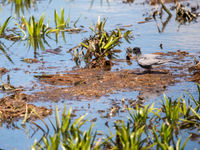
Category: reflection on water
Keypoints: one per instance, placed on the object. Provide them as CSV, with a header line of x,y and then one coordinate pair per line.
x,y
4,49
20,7
37,43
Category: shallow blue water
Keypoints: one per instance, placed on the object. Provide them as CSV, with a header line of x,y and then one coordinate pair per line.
x,y
187,38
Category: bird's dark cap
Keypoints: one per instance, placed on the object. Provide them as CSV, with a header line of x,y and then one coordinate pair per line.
x,y
136,50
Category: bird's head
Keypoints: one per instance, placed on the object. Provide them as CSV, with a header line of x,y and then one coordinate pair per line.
x,y
136,50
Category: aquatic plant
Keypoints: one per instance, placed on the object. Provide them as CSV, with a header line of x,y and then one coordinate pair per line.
x,y
145,129
139,116
36,29
3,48
164,138
127,138
101,45
68,134
37,32
60,21
192,112
63,25
172,110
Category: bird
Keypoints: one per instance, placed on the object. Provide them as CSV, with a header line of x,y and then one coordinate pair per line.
x,y
146,61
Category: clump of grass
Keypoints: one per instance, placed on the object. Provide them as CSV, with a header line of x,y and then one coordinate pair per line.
x,y
60,21
145,129
139,116
63,25
164,138
172,110
127,138
100,46
68,135
35,29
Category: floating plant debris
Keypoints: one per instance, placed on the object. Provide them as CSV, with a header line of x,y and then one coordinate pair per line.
x,y
15,106
30,60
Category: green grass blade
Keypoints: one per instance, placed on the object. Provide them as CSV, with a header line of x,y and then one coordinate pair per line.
x,y
184,144
84,45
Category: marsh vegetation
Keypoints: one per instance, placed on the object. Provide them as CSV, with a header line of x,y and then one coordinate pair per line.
x,y
63,59
147,127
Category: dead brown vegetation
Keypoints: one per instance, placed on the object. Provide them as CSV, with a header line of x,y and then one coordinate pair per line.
x,y
15,106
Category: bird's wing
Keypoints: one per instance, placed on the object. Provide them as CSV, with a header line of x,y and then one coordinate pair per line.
x,y
145,61
151,56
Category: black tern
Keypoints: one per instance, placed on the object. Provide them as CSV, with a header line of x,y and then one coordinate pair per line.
x,y
148,60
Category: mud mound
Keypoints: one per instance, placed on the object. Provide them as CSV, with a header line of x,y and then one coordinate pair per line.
x,y
94,83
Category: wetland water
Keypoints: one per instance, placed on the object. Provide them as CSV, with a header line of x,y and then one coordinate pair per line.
x,y
55,59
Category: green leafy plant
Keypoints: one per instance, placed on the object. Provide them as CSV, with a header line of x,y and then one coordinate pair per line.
x,y
102,43
60,21
191,112
68,134
196,102
100,46
36,29
144,129
166,135
126,138
139,116
172,110
62,24
164,139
